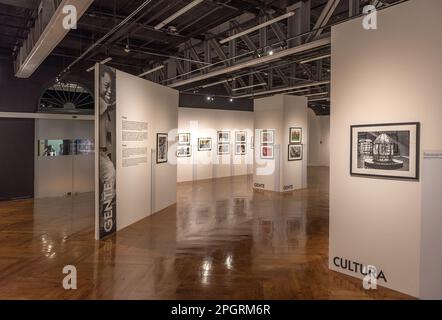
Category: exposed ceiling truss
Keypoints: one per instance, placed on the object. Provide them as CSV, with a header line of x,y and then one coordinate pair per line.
x,y
271,47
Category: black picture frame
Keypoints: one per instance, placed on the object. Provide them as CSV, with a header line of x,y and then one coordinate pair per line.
x,y
222,133
187,154
267,157
243,146
166,136
295,159
204,149
184,135
221,145
290,135
416,159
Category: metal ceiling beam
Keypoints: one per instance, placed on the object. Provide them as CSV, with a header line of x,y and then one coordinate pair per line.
x,y
265,59
300,86
323,19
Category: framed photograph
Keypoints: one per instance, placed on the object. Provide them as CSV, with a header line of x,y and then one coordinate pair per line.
x,y
240,149
385,150
204,144
252,142
224,149
240,137
267,136
184,139
295,135
183,151
295,152
223,137
162,147
267,152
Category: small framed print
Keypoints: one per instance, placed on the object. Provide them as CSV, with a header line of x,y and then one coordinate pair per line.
x,y
295,152
205,144
295,135
223,137
252,142
184,151
240,149
223,149
240,137
267,152
162,147
385,150
184,139
267,136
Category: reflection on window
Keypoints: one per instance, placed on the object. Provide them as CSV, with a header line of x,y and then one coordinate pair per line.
x,y
59,147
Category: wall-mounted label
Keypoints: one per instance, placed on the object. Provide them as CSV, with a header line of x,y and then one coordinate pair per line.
x,y
287,188
356,267
433,155
259,185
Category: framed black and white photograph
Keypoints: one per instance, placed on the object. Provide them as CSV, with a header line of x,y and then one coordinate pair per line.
x,y
240,137
183,151
240,149
295,135
205,144
267,136
183,139
223,137
223,149
267,152
385,150
295,152
162,147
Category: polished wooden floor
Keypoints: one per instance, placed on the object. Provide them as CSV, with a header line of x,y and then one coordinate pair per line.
x,y
221,241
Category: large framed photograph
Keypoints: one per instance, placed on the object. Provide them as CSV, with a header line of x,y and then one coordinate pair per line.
x,y
295,135
183,151
267,152
224,149
240,149
267,136
223,137
162,147
240,137
295,152
204,144
183,139
385,150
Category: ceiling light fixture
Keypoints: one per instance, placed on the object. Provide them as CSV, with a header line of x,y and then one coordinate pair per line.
x,y
177,14
260,26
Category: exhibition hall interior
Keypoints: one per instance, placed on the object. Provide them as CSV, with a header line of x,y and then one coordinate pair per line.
x,y
220,150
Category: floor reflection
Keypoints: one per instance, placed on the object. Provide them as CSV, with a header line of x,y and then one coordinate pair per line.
x,y
221,240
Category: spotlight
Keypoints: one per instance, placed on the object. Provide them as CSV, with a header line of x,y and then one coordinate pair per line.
x,y
127,49
231,99
271,52
208,98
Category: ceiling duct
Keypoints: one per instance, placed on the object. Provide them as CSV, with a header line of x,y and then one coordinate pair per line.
x,y
46,34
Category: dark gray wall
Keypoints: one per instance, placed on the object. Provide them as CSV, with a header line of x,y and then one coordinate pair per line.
x,y
17,158
17,135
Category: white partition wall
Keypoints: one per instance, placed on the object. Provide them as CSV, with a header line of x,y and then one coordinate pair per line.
x,y
142,109
278,114
205,123
319,140
388,75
